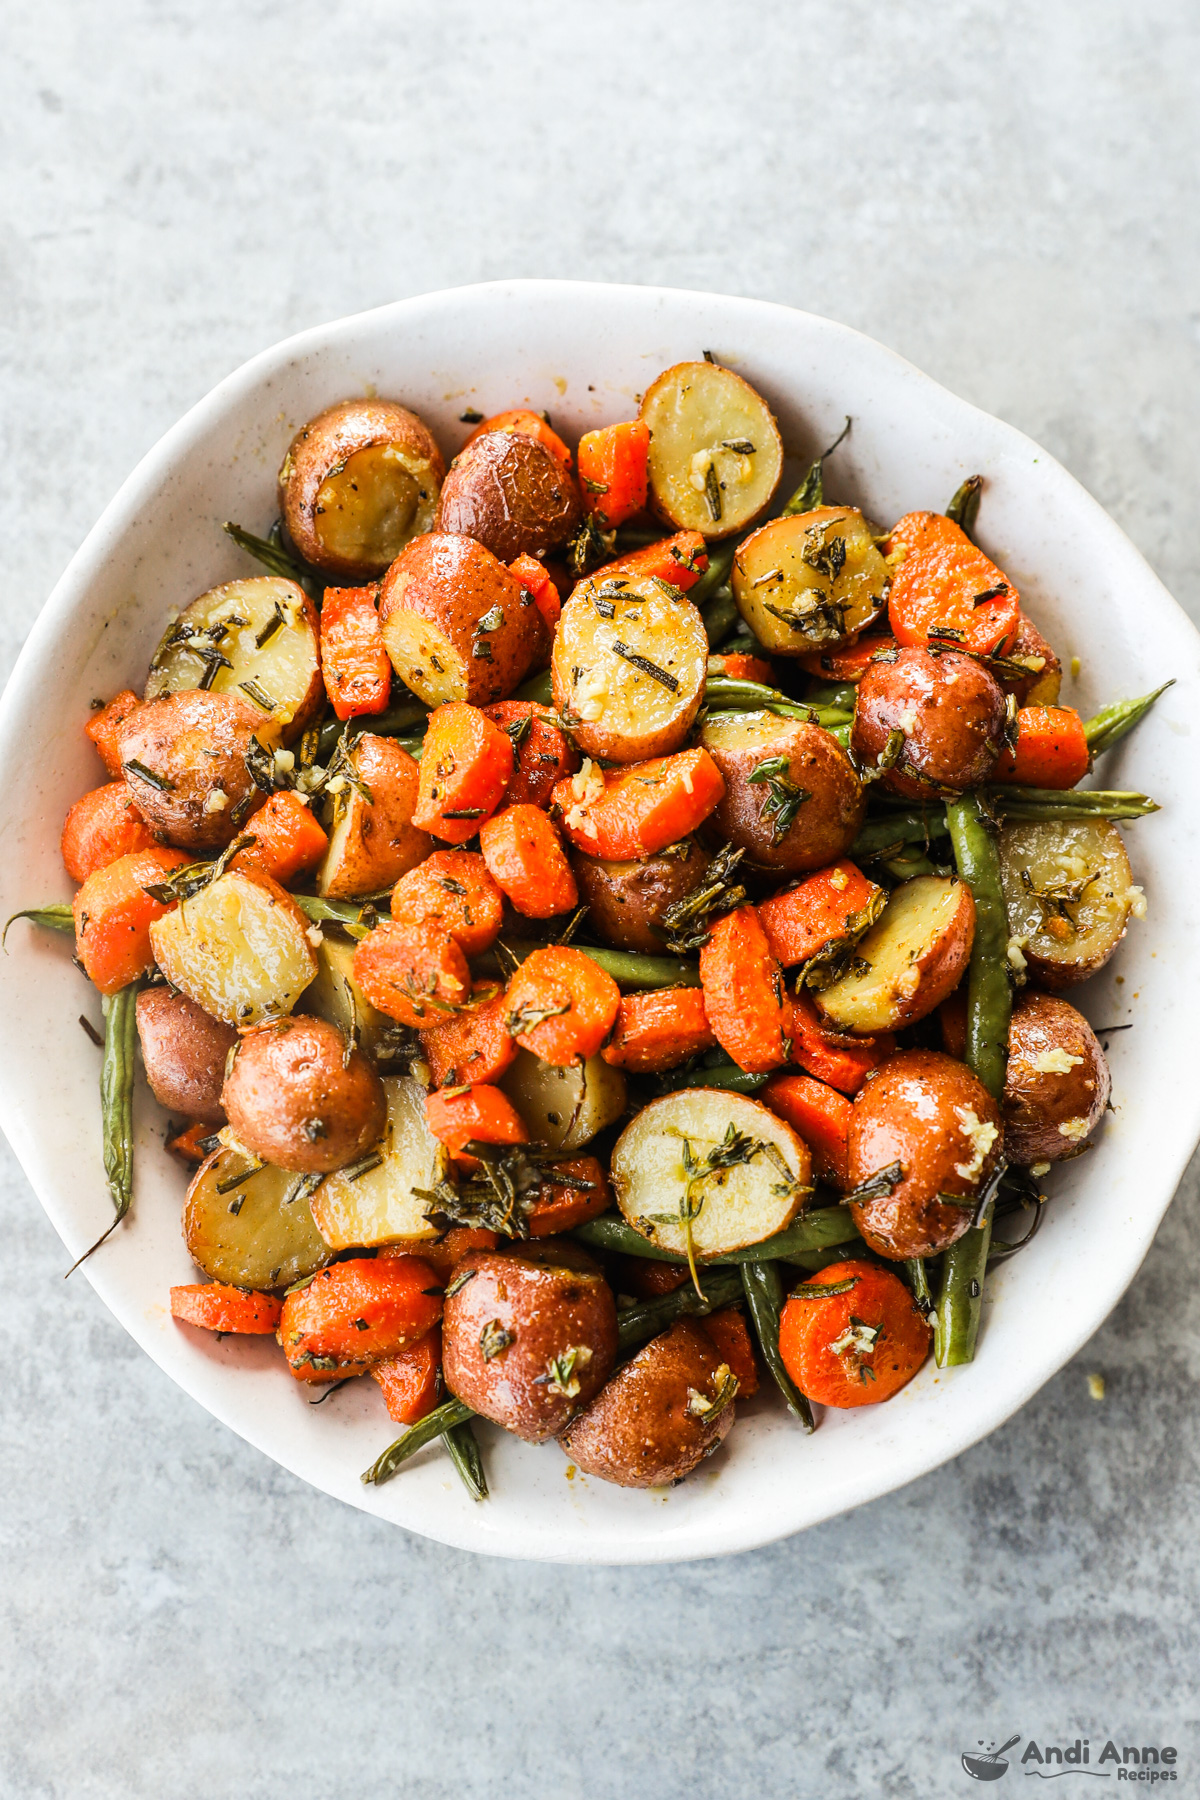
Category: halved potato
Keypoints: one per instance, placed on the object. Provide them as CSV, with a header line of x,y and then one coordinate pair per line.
x,y
742,1171
1069,893
565,1108
715,451
792,799
810,582
379,1205
246,1231
912,957
456,624
257,640
629,668
336,996
239,948
626,899
373,842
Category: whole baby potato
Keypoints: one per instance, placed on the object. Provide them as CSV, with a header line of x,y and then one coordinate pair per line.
x,y
183,757
184,1051
294,1097
626,899
949,711
1057,1085
511,493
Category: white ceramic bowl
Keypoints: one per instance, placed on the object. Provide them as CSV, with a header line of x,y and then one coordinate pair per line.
x,y
585,351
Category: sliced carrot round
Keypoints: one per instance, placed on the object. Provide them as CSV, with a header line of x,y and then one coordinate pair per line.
x,y
454,891
216,1307
562,1005
412,1381
659,1030
857,1347
355,1313
946,584
476,1044
744,996
1051,751
480,1114
525,857
415,974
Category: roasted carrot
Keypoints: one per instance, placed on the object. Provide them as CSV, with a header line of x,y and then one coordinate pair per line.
x,y
822,909
612,470
944,583
473,1046
215,1307
843,1062
820,1114
857,1347
952,1017
356,1313
659,1030
287,839
412,1381
466,764
526,424
104,726
190,1143
114,913
536,579
561,1005
443,1254
681,560
354,663
626,814
415,974
744,995
103,825
543,754
646,1280
845,664
453,890
561,1208
480,1114
1052,749
730,1333
525,857
742,668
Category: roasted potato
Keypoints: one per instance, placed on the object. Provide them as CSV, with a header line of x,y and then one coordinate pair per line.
x,y
629,667
183,1051
813,581
455,623
528,1338
565,1108
245,1224
914,955
715,451
372,842
1057,1085
949,711
256,640
381,1205
511,493
183,757
239,948
743,1173
1069,893
792,799
660,1415
626,899
928,1134
1041,686
336,996
358,483
299,1096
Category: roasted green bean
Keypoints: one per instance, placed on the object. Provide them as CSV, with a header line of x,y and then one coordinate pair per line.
x,y
442,1419
1112,723
54,917
464,1454
638,1324
762,1285
816,1229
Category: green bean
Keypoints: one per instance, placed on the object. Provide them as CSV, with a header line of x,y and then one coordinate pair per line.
x,y
1112,723
763,1288
720,1075
272,556
392,723
537,688
815,1229
905,867
638,1324
719,615
55,917
628,968
720,563
442,1419
735,695
813,1260
464,1454
1025,803
964,507
811,492
918,1281
837,696
116,1093
894,830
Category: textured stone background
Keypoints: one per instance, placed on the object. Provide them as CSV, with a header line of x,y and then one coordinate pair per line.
x,y
1006,194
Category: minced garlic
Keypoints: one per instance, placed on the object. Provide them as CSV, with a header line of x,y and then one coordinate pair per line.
x,y
981,1135
1054,1062
1137,903
217,801
1075,1129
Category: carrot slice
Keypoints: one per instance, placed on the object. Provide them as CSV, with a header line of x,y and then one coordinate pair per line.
x,y
858,1347
744,995
525,423
356,1313
466,764
415,974
952,1017
412,1381
524,855
100,827
559,1209
215,1307
288,841
445,1253
613,470
1052,749
561,1005
104,727
481,1114
623,815
453,890
475,1045
659,1030
820,1114
730,1333
190,1144
114,913
845,664
823,908
535,578
681,560
946,583
742,668
646,1280
354,663
843,1062
543,754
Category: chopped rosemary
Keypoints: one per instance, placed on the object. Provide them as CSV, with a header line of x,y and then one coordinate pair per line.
x,y
783,798
646,666
494,1339
271,627
684,924
133,767
877,1186
712,493
193,878
704,1410
258,694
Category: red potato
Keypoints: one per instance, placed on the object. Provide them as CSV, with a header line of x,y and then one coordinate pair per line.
x,y
792,799
375,837
466,764
660,1415
731,1335
113,915
184,1051
453,890
858,1347
525,857
415,974
626,900
100,827
183,757
240,948
949,712
525,424
624,815
1040,687
810,581
457,625
1057,1084
356,1314
299,1097
510,493
715,451
913,957
744,997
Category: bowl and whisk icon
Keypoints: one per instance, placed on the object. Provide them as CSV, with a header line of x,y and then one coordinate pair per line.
x,y
989,1765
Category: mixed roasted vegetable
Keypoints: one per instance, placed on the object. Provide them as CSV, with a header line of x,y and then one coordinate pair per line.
x,y
600,934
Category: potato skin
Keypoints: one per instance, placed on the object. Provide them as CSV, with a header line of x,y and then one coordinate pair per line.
x,y
183,1051
296,1099
324,445
375,842
1041,855
448,584
196,742
552,1300
1050,1113
1041,686
624,899
952,714
511,493
914,1112
825,825
638,1431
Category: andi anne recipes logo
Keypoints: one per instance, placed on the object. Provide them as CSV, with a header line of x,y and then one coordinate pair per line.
x,y
1145,1763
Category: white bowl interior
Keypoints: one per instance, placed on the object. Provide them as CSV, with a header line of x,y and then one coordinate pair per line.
x,y
586,351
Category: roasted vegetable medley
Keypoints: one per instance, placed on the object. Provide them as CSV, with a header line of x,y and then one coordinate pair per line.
x,y
599,932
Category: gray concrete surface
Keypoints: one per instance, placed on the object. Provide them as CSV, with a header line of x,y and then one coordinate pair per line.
x,y
1005,193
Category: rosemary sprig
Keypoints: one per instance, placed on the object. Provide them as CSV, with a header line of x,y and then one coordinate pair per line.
x,y
684,924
